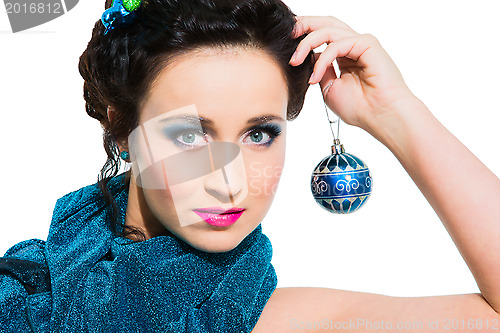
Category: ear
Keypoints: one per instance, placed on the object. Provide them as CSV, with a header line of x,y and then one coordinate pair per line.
x,y
111,114
111,117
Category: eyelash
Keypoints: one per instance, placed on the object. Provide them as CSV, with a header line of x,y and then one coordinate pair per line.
x,y
174,134
272,130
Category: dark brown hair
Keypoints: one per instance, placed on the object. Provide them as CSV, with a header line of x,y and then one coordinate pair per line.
x,y
119,67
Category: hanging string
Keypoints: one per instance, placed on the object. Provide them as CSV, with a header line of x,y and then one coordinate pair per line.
x,y
332,121
331,124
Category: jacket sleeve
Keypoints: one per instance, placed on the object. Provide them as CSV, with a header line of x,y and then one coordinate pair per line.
x,y
25,300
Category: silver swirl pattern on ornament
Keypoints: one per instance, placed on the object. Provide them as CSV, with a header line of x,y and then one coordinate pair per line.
x,y
320,187
340,184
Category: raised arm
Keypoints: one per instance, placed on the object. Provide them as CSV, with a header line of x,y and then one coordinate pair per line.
x,y
371,94
463,192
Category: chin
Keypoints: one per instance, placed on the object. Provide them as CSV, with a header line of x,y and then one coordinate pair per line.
x,y
217,241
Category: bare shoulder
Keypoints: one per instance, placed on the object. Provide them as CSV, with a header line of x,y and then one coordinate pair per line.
x,y
322,309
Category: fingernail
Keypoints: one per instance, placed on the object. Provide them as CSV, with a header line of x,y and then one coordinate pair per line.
x,y
293,57
311,79
327,88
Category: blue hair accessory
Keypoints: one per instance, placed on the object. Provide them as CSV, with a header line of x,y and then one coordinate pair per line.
x,y
122,12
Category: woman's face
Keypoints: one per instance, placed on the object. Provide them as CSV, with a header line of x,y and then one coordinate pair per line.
x,y
210,147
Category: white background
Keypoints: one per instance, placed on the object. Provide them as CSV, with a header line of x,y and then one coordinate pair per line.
x,y
448,52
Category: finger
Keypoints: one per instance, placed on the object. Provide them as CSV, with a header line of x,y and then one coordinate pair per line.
x,y
297,28
307,24
316,39
351,47
328,78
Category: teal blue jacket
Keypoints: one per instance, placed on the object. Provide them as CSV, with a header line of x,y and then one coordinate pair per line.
x,y
85,279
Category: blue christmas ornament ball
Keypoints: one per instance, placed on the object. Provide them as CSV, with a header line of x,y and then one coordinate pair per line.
x,y
341,183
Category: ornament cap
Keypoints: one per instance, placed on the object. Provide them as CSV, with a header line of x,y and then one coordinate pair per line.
x,y
337,147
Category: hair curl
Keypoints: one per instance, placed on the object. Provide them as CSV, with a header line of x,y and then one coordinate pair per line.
x,y
119,67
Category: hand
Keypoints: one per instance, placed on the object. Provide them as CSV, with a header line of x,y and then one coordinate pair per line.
x,y
370,84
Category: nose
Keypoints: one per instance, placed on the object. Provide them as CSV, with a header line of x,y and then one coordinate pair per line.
x,y
227,181
218,185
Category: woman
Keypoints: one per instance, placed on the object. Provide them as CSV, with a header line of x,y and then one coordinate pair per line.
x,y
370,94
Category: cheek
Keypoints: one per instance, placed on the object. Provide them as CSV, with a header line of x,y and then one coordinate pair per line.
x,y
160,192
264,175
155,185
173,206
161,197
161,206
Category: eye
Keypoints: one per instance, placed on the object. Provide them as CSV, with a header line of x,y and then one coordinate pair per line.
x,y
186,136
191,138
262,135
259,137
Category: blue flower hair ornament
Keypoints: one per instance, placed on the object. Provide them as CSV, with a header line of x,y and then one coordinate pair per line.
x,y
122,12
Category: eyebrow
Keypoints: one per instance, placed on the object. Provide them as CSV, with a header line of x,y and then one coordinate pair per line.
x,y
204,121
264,119
188,118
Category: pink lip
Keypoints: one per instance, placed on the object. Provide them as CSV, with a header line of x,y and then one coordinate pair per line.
x,y
219,217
